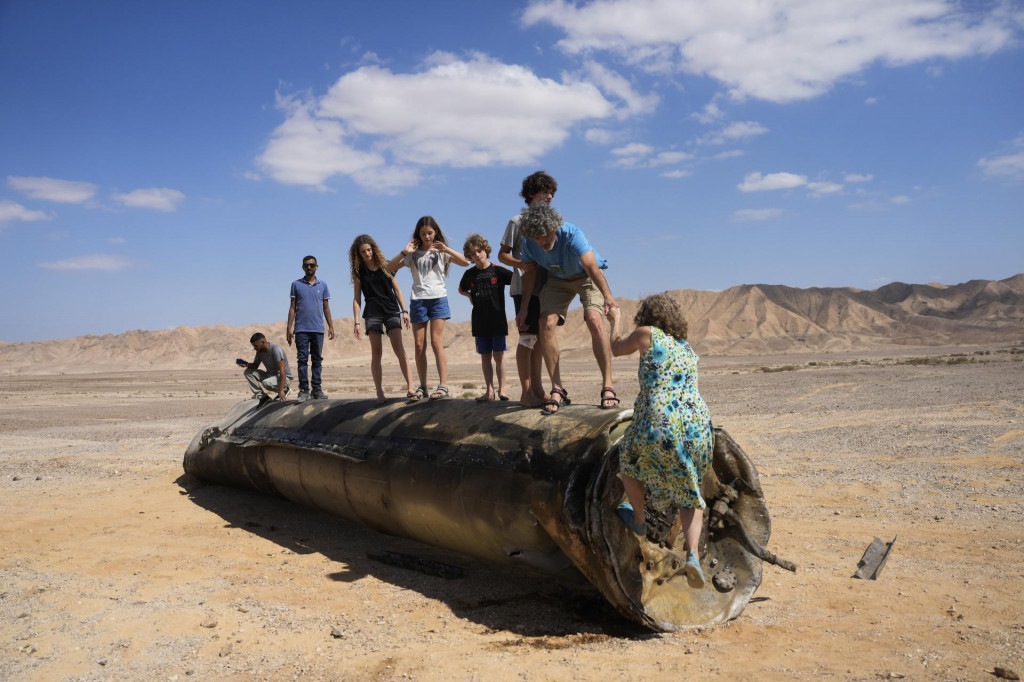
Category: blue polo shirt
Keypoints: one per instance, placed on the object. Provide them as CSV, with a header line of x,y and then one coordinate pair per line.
x,y
309,305
562,261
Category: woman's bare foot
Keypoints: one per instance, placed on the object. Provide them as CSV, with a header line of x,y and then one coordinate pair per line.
x,y
381,398
489,395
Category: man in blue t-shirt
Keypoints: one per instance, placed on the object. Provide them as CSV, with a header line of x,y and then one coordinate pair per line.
x,y
306,313
574,269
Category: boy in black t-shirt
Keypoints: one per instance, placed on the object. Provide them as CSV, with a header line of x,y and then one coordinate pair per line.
x,y
484,284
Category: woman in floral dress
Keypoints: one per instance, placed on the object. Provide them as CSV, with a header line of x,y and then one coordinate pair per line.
x,y
668,445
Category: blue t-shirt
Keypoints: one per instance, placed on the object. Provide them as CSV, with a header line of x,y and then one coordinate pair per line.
x,y
309,305
563,260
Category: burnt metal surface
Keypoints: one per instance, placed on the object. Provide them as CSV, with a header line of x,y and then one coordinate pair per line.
x,y
500,483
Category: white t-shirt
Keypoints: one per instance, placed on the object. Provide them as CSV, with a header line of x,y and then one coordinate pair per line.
x,y
427,273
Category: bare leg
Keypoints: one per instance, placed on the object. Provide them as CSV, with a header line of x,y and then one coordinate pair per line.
x,y
499,369
419,335
547,344
523,357
436,334
536,374
692,521
403,362
635,493
376,345
485,364
601,345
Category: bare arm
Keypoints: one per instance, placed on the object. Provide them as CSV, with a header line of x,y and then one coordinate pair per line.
x,y
456,257
330,322
290,333
638,340
401,302
396,263
356,307
589,263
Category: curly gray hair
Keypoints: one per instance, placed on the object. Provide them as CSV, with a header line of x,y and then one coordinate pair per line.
x,y
539,220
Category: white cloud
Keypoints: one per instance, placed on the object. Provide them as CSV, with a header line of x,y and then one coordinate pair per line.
x,y
709,114
159,198
731,154
602,136
97,261
747,215
616,85
1008,163
870,101
11,211
900,199
633,149
678,173
756,182
739,130
379,127
859,177
116,240
48,189
777,50
639,155
822,188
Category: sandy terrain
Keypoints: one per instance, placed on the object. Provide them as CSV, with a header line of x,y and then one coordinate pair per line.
x,y
115,566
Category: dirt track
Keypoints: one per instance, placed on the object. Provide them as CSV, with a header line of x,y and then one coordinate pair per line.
x,y
114,567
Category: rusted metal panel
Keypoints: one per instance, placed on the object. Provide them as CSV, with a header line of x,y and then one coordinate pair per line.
x,y
501,483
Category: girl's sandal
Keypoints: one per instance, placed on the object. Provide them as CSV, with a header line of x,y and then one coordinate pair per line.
x,y
553,404
605,399
420,394
440,392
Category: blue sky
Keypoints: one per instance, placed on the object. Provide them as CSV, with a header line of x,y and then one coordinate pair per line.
x,y
166,164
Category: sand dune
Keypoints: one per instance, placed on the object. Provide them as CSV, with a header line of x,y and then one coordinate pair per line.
x,y
746,319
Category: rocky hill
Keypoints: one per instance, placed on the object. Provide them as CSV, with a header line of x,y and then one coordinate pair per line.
x,y
746,319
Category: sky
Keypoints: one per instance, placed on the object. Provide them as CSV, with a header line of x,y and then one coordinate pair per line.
x,y
169,164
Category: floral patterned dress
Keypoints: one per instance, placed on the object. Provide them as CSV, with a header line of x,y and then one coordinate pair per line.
x,y
669,443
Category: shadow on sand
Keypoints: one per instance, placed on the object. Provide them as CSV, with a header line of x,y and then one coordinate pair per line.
x,y
498,597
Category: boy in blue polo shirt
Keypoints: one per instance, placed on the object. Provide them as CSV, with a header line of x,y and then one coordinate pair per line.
x,y
306,313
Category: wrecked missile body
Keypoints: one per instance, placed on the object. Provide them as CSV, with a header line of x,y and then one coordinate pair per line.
x,y
500,483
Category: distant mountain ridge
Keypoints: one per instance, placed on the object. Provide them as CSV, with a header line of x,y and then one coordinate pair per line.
x,y
741,320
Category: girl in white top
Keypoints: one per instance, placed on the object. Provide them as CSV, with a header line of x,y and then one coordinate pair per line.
x,y
428,255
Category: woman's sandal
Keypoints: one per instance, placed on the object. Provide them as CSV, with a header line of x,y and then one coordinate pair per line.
x,y
625,512
419,394
440,392
609,398
555,404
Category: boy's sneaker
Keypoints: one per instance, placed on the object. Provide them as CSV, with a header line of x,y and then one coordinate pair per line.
x,y
303,396
318,395
264,399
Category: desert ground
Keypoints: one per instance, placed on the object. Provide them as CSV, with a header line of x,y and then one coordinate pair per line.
x,y
117,566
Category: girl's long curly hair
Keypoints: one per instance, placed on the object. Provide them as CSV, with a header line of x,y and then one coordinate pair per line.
x,y
428,221
355,261
662,311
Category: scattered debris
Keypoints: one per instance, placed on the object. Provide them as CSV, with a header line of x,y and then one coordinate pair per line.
x,y
225,650
209,623
336,633
417,564
1005,673
875,556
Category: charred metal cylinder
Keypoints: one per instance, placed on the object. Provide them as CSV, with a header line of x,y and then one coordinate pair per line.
x,y
501,483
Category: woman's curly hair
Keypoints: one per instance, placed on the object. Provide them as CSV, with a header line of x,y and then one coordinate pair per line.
x,y
473,242
662,311
355,261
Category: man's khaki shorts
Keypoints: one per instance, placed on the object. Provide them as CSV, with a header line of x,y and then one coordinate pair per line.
x,y
557,295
